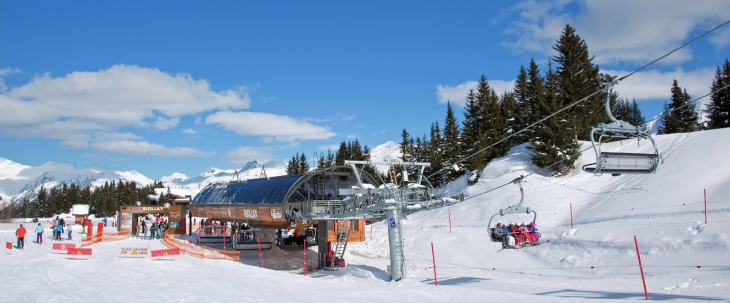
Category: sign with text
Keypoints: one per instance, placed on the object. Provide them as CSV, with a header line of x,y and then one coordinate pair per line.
x,y
134,251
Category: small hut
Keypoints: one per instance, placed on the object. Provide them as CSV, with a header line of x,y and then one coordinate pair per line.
x,y
79,211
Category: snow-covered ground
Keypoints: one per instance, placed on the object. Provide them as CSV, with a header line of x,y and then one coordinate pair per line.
x,y
684,258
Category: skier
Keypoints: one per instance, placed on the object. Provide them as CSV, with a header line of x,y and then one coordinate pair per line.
x,y
69,231
20,232
59,229
39,232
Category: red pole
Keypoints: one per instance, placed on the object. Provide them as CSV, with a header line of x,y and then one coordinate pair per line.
x,y
305,258
705,190
433,255
449,220
571,215
641,268
260,255
224,238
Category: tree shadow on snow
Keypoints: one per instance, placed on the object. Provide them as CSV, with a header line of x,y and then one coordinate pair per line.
x,y
455,281
572,293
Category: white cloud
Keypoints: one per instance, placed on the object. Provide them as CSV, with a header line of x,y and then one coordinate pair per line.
x,y
163,123
653,84
282,128
332,147
351,136
457,94
72,106
74,144
147,149
338,117
243,155
189,131
8,71
620,30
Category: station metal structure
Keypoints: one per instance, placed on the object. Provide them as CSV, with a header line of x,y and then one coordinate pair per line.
x,y
389,201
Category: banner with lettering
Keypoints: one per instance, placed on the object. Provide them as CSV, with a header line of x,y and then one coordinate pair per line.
x,y
134,251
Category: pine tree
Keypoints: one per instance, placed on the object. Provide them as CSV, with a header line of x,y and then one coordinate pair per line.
x,y
450,144
718,109
577,79
483,126
470,130
341,154
508,108
405,145
523,110
303,165
435,155
552,141
679,116
292,168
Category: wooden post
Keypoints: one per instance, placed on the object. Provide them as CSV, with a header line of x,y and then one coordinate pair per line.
x,y
705,190
646,294
571,215
433,255
260,255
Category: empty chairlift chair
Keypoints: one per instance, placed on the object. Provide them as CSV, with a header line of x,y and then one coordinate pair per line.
x,y
620,163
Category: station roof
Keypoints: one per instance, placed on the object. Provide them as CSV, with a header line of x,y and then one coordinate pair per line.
x,y
256,191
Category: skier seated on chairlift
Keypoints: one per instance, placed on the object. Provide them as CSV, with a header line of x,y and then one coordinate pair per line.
x,y
515,235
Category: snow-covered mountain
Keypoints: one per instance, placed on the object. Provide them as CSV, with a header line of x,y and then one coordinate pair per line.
x,y
18,181
386,152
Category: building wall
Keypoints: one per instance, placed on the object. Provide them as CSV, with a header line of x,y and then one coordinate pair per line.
x,y
356,235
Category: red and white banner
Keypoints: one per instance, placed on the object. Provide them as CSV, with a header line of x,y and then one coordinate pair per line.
x,y
63,246
134,251
165,252
79,251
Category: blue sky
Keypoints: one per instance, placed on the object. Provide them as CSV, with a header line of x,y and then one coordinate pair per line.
x,y
162,87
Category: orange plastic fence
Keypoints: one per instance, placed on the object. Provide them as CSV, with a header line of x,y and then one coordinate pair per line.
x,y
203,252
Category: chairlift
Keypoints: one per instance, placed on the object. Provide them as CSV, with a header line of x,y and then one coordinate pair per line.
x,y
514,209
620,163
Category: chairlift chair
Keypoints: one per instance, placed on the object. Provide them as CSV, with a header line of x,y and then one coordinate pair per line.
x,y
514,209
620,163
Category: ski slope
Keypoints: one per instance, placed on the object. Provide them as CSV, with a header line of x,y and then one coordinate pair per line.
x,y
596,259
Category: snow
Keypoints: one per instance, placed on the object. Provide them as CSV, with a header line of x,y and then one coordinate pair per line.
x,y
683,258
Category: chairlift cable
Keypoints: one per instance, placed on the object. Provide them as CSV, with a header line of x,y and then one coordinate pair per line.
x,y
688,103
674,50
581,100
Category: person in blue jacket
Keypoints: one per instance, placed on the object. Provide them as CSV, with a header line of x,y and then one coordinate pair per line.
x,y
59,229
39,232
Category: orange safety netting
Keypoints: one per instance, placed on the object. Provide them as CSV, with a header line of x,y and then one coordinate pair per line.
x,y
104,236
203,252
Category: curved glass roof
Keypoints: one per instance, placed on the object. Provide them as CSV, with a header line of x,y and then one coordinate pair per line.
x,y
256,191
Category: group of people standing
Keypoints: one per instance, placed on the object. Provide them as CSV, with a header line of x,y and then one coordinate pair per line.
x,y
515,235
156,225
58,227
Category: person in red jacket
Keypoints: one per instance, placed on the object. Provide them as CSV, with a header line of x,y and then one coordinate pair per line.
x,y
20,232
